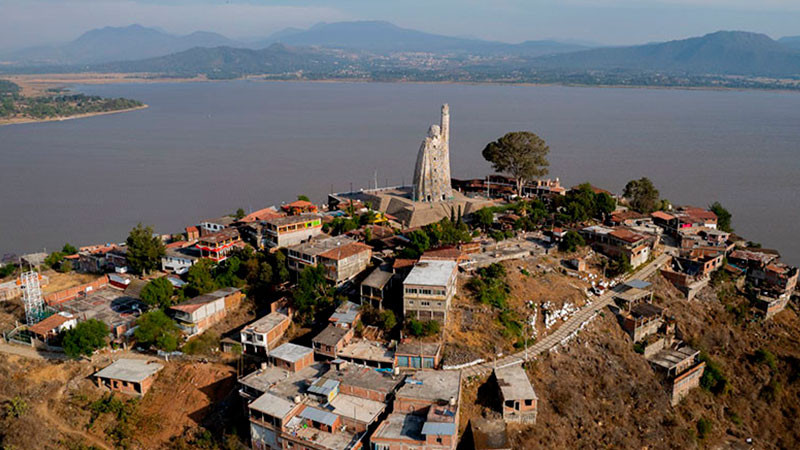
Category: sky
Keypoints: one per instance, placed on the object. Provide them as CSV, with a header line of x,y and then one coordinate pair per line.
x,y
26,23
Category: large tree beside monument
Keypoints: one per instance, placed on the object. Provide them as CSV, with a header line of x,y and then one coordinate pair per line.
x,y
520,154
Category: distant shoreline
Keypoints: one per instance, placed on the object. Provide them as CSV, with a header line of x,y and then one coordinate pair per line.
x,y
24,120
37,84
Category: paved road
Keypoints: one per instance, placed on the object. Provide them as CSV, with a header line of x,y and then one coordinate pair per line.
x,y
570,326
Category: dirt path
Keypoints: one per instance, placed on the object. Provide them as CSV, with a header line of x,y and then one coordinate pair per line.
x,y
43,409
30,352
564,331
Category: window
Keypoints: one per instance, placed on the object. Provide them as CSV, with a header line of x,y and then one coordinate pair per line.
x,y
528,402
427,291
426,303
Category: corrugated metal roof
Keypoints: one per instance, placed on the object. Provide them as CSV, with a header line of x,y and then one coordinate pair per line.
x,y
323,387
318,415
439,428
638,284
272,405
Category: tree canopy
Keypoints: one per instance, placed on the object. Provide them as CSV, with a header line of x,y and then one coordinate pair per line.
x,y
642,195
723,217
158,293
571,241
313,293
85,338
520,154
156,329
144,250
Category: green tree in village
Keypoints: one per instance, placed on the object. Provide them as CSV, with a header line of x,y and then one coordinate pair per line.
x,y
619,265
145,250
85,338
303,198
65,266
54,259
642,195
723,217
483,218
158,293
313,293
571,242
200,278
156,329
69,249
520,154
239,213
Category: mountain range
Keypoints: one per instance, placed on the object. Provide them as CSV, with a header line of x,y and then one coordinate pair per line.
x,y
369,50
118,43
722,53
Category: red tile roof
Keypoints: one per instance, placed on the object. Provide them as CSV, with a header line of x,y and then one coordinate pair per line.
x,y
626,235
662,215
49,324
346,251
261,214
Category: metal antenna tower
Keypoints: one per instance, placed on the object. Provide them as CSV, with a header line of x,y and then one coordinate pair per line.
x,y
32,297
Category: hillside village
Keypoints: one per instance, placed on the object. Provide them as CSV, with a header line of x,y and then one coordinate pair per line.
x,y
486,313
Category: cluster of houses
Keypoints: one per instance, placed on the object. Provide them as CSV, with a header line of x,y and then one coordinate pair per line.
x,y
351,389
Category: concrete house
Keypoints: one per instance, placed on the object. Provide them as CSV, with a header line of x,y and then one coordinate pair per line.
x,y
680,370
216,246
613,242
341,257
128,376
260,336
211,226
418,355
425,414
53,325
287,231
428,290
519,400
375,289
179,260
196,315
291,357
330,341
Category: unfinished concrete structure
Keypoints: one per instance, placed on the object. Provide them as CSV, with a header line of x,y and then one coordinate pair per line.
x,y
432,170
341,257
196,315
680,370
519,401
128,376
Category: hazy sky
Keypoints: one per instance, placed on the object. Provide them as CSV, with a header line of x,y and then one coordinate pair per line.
x,y
32,22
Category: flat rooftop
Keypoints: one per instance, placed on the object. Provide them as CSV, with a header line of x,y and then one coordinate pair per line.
x,y
514,383
290,352
432,385
109,305
670,358
431,273
266,323
289,220
418,348
272,405
131,370
281,382
367,350
360,409
340,440
378,278
397,426
364,377
331,335
321,244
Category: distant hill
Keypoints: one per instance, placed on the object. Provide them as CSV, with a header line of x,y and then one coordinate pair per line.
x,y
723,52
790,41
385,37
118,43
229,62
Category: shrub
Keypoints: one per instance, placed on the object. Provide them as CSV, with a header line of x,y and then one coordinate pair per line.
x,y
16,407
704,427
764,356
714,380
420,329
158,293
205,344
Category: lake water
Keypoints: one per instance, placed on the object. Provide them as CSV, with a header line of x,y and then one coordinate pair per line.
x,y
205,149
